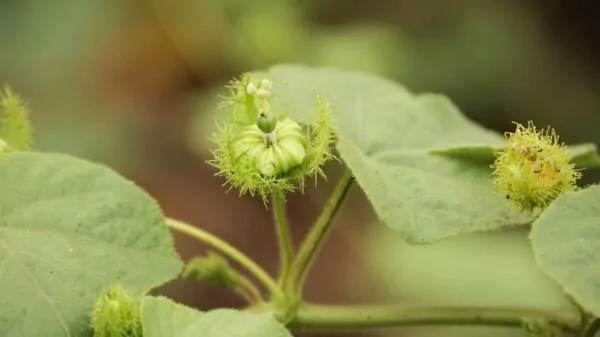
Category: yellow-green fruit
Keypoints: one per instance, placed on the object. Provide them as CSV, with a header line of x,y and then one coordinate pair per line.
x,y
272,153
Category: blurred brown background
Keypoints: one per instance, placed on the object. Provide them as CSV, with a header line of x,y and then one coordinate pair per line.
x,y
132,83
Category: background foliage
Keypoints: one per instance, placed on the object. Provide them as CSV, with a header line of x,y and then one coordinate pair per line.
x,y
131,84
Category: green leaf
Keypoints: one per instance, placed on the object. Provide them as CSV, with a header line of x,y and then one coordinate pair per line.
x,y
388,138
227,322
566,242
68,230
163,317
582,155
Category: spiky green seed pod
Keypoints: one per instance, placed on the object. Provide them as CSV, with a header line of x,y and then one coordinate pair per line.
x,y
264,152
115,314
533,169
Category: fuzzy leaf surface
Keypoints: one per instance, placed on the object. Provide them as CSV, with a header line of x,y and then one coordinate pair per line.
x,y
163,317
566,242
68,230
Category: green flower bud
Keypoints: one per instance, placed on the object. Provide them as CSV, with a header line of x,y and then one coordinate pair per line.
x,y
115,314
212,268
266,123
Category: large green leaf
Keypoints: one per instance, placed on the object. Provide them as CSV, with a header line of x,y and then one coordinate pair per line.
x,y
227,322
388,138
68,229
582,155
566,242
162,317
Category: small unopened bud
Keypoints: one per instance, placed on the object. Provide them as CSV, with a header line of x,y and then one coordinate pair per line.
x,y
263,93
212,268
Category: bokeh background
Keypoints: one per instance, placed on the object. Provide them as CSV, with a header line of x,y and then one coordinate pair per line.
x,y
132,84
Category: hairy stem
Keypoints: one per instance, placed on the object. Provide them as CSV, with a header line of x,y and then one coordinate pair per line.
x,y
312,243
355,317
225,248
286,249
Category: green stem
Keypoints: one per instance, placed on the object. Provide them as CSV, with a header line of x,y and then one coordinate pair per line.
x,y
352,317
592,329
247,290
286,250
314,239
228,250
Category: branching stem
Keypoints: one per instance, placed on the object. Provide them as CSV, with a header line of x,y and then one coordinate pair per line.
x,y
286,249
230,251
314,239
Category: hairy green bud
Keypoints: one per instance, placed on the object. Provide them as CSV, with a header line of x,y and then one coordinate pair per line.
x,y
533,169
264,152
212,268
215,269
115,314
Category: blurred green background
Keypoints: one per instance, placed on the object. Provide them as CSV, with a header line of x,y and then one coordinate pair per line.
x,y
132,84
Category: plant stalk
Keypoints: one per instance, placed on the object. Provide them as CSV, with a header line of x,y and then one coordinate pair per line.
x,y
248,291
355,317
230,251
286,249
309,248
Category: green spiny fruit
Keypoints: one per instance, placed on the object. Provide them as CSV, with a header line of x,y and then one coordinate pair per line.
x,y
533,169
260,151
115,314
